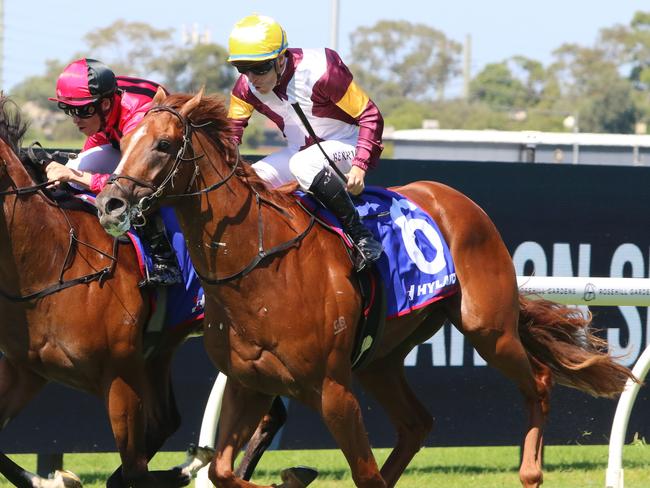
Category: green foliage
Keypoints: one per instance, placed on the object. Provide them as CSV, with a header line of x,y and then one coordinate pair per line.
x,y
37,89
593,87
629,47
409,114
611,110
400,58
187,69
498,88
129,48
407,69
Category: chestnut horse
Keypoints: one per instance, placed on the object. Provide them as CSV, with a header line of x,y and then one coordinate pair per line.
x,y
282,299
73,314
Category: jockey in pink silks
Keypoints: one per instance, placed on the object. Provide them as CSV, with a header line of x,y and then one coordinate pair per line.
x,y
105,107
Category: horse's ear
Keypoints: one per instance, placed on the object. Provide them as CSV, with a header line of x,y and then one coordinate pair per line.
x,y
191,104
159,96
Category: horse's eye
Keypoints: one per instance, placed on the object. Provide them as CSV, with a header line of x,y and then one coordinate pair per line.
x,y
163,145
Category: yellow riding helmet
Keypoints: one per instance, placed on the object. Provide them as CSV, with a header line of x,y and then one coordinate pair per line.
x,y
256,38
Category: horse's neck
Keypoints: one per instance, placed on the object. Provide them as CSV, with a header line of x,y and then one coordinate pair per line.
x,y
223,226
31,228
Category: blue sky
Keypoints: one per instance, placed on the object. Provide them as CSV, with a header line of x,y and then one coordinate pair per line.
x,y
36,30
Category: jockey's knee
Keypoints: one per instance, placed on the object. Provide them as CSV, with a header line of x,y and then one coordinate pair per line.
x,y
305,169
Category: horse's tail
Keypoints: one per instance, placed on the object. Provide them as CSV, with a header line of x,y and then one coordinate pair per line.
x,y
561,338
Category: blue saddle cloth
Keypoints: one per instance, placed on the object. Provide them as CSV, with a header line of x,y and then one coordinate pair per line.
x,y
416,267
185,301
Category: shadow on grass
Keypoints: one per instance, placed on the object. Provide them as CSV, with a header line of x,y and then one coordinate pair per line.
x,y
343,474
591,466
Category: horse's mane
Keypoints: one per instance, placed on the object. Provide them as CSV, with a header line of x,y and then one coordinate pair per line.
x,y
12,126
212,112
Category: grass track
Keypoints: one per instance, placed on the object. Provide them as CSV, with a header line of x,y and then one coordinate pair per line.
x,y
484,467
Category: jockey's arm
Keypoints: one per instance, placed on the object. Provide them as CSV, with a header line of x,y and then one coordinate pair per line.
x,y
59,173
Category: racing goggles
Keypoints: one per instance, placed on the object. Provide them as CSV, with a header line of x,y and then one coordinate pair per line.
x,y
80,111
257,69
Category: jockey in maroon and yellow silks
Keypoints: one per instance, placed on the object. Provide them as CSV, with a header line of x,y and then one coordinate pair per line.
x,y
334,104
347,124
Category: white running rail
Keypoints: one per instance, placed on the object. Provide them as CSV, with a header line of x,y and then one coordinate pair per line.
x,y
209,424
566,290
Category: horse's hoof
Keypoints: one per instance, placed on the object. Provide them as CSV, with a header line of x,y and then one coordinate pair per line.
x,y
68,478
298,477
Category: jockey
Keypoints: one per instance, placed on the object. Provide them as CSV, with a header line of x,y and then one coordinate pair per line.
x,y
273,77
105,108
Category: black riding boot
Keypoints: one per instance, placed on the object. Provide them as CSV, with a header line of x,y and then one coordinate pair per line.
x,y
164,265
331,192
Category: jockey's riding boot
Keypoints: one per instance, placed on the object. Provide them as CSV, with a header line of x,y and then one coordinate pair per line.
x,y
164,265
331,192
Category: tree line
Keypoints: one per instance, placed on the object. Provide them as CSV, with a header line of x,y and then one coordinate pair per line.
x,y
408,69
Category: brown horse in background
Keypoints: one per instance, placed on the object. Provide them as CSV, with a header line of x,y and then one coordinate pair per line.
x,y
88,336
283,303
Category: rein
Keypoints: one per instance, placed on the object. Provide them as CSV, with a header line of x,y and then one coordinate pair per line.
x,y
146,202
30,190
62,284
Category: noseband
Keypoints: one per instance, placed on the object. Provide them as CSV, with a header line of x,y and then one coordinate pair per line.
x,y
188,128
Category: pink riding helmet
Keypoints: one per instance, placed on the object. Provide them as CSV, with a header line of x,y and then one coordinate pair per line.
x,y
84,81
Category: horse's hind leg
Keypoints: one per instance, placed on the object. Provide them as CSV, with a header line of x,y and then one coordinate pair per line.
x,y
385,380
342,415
491,323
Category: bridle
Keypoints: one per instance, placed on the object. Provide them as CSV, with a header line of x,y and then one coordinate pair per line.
x,y
146,202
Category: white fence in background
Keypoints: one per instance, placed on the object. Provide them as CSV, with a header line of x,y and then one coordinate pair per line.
x,y
569,290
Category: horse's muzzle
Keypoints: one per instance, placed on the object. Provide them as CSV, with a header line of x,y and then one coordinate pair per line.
x,y
113,214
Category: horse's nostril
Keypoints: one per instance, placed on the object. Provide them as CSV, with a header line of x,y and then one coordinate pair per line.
x,y
115,206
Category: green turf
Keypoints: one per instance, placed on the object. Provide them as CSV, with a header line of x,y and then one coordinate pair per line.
x,y
484,467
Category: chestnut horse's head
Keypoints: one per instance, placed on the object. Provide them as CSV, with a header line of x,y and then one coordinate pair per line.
x,y
158,160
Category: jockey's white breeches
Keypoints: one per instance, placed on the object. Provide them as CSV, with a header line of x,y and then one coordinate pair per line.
x,y
290,164
99,159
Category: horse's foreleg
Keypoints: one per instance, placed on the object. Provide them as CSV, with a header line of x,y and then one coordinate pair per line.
x,y
262,438
17,388
342,415
162,421
126,414
385,380
241,412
